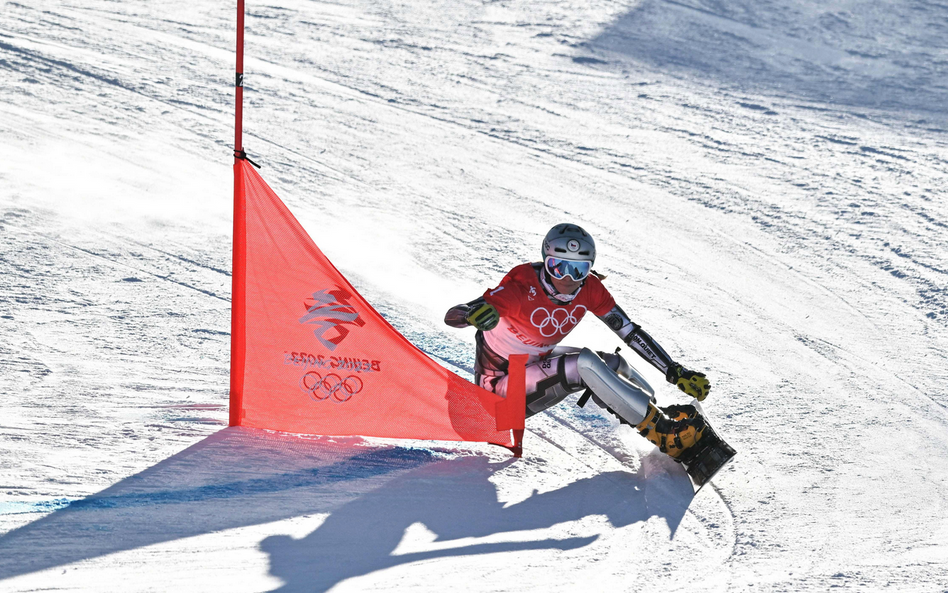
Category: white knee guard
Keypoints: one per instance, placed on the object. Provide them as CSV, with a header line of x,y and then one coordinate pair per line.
x,y
629,401
624,369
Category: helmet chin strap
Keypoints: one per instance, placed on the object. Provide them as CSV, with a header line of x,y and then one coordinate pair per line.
x,y
553,293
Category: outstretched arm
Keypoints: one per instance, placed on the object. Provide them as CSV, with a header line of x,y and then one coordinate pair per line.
x,y
691,382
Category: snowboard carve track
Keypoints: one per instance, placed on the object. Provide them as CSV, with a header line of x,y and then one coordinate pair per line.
x,y
698,514
843,356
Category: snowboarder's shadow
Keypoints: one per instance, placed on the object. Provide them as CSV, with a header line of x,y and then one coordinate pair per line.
x,y
453,499
371,494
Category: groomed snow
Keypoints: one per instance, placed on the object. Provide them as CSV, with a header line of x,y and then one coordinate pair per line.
x,y
766,183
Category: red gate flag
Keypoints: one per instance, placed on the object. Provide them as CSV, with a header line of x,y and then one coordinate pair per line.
x,y
310,355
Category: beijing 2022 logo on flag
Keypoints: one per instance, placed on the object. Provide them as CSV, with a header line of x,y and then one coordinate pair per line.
x,y
331,313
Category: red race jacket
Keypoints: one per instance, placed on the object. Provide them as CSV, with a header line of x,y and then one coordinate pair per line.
x,y
530,323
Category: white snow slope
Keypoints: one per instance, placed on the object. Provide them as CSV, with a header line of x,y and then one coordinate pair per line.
x,y
766,182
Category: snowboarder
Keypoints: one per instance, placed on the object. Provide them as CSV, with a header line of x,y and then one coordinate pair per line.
x,y
535,307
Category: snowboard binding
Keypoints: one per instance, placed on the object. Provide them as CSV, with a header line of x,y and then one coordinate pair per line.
x,y
706,457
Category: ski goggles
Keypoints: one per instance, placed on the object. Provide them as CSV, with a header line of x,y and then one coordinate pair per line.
x,y
561,268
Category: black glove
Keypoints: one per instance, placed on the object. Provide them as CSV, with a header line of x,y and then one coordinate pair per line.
x,y
484,317
693,383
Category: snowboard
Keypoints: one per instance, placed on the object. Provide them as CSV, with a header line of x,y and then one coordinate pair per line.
x,y
708,456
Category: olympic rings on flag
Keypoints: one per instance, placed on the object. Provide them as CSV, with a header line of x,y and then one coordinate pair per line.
x,y
558,320
331,387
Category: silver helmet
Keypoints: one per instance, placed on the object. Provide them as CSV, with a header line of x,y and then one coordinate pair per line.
x,y
568,250
569,241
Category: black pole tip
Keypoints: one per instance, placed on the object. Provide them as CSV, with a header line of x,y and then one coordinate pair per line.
x,y
243,156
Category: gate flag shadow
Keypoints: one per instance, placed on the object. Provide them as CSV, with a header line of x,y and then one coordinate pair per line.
x,y
234,478
372,493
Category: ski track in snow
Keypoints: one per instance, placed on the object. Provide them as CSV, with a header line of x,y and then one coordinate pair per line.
x,y
766,182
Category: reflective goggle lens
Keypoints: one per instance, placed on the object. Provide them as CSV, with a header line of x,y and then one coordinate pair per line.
x,y
561,268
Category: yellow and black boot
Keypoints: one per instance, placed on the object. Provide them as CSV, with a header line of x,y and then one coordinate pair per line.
x,y
673,430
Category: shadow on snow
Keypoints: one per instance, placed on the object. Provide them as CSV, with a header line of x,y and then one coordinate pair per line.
x,y
241,477
858,55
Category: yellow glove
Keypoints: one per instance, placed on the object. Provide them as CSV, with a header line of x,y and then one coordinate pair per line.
x,y
693,383
484,317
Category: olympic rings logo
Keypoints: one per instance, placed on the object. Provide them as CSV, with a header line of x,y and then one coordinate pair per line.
x,y
330,387
559,320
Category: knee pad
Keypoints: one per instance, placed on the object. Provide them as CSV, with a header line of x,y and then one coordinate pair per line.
x,y
622,368
625,399
549,381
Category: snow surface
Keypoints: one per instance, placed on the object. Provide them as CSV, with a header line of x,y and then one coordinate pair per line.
x,y
766,182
